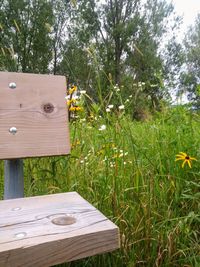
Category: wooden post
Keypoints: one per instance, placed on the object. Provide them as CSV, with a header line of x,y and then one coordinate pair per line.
x,y
13,179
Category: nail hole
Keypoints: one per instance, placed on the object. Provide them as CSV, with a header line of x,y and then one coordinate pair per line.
x,y
64,220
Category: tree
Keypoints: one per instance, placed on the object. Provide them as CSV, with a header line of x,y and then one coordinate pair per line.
x,y
190,76
128,39
25,35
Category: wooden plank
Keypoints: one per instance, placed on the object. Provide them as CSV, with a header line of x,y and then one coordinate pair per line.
x,y
30,234
37,109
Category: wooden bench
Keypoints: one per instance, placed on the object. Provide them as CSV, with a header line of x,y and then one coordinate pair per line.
x,y
42,230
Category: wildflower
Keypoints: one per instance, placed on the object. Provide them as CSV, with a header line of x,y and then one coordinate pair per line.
x,y
110,106
82,92
116,87
102,127
153,85
186,159
67,97
69,102
108,110
121,107
72,89
76,108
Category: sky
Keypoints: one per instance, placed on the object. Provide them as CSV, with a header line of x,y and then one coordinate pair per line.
x,y
189,10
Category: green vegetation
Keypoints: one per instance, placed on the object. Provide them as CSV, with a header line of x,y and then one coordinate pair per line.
x,y
125,134
128,171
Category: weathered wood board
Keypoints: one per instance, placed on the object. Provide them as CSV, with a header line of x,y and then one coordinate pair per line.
x,y
36,108
47,230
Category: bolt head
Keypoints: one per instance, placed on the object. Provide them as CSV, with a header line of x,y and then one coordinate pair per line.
x,y
13,130
12,85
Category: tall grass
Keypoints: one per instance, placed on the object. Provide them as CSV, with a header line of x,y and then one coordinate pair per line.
x,y
128,171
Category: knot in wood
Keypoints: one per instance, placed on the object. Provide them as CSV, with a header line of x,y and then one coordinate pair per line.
x,y
48,108
64,220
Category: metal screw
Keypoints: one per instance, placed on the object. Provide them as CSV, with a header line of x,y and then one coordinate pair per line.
x,y
13,130
12,85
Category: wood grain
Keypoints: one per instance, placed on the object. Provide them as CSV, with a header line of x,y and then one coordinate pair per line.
x,y
28,236
37,108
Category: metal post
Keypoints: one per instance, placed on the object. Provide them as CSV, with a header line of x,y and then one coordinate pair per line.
x,y
13,179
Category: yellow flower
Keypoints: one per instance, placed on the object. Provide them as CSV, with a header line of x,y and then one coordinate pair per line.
x,y
186,159
75,108
72,89
71,101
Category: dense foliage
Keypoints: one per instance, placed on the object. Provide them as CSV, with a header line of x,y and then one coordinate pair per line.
x,y
124,58
95,44
128,171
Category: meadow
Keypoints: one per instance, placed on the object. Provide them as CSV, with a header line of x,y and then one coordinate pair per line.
x,y
127,170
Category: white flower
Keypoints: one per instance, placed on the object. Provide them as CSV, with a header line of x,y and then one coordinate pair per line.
x,y
82,92
108,110
153,85
102,127
15,57
121,107
110,106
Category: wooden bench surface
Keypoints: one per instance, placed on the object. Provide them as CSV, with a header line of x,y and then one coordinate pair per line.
x,y
47,230
37,109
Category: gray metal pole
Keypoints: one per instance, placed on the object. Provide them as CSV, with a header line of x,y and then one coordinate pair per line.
x,y
13,179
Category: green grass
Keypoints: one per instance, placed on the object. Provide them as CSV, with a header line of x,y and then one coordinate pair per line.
x,y
128,172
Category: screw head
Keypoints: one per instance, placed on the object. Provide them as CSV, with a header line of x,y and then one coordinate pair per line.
x,y
13,130
12,85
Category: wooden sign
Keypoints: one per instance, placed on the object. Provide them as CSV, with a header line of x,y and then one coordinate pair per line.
x,y
33,115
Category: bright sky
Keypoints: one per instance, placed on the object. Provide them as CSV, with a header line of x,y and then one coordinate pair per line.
x,y
189,9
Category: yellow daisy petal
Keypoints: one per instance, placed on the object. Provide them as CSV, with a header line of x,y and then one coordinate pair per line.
x,y
179,159
189,164
193,158
183,163
184,154
181,156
